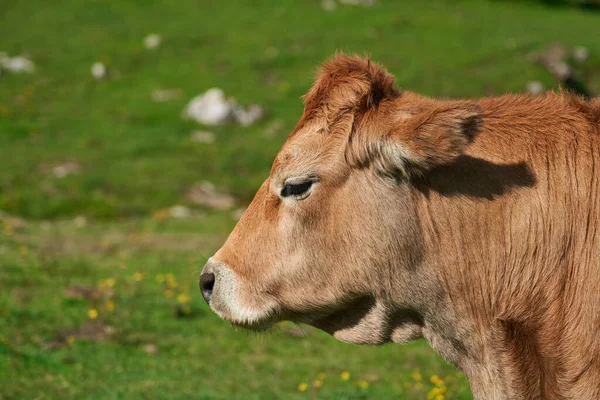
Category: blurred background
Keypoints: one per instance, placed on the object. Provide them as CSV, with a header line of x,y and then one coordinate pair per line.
x,y
132,135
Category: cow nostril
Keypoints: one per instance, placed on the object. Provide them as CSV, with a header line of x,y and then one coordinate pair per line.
x,y
207,282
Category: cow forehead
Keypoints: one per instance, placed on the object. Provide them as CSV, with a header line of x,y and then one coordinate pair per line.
x,y
302,152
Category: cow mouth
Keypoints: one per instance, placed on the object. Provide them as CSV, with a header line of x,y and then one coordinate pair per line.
x,y
261,326
256,323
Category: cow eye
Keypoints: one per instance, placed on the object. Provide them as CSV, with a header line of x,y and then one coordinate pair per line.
x,y
296,190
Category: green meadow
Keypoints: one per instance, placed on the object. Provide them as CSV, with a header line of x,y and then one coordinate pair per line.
x,y
99,290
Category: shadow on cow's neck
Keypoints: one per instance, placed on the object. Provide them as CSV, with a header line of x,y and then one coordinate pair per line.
x,y
474,177
365,321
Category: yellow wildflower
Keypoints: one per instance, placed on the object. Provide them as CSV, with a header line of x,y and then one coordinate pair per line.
x,y
92,313
302,387
160,215
160,278
417,376
317,383
439,397
433,392
171,281
104,283
184,298
345,375
436,380
363,384
138,276
109,305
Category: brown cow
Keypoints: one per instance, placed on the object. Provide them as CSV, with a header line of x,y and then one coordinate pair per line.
x,y
475,224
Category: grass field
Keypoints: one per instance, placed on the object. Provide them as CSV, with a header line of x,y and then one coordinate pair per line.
x,y
98,284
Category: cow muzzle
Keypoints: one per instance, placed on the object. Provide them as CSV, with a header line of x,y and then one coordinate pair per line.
x,y
232,299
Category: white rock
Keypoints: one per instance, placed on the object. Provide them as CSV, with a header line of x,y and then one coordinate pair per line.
x,y
152,41
98,70
248,116
66,169
535,87
17,64
210,108
328,5
213,108
180,212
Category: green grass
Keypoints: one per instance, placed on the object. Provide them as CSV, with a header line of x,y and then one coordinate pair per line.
x,y
136,158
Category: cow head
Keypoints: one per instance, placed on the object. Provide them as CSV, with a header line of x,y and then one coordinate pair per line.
x,y
332,237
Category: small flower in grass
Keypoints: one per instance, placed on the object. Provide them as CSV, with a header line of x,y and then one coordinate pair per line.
x,y
363,384
109,305
184,298
303,387
169,293
317,383
92,313
138,276
345,376
160,215
106,283
436,380
160,278
322,375
171,281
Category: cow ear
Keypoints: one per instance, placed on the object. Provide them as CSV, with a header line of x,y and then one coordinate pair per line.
x,y
418,141
348,84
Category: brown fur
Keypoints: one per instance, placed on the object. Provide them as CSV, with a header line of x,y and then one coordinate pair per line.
x,y
472,223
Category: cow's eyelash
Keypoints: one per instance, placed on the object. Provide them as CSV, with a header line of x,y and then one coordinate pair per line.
x,y
297,190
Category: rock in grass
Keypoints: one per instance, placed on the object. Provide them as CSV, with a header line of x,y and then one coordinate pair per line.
x,y
152,41
98,70
18,64
204,193
214,108
535,87
179,211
